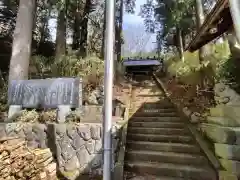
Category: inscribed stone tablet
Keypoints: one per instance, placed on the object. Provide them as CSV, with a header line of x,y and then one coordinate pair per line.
x,y
45,93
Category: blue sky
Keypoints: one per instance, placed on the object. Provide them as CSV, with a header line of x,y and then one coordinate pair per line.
x,y
135,19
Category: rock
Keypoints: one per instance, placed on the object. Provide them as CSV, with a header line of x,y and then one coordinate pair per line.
x,y
90,146
92,99
222,100
226,151
84,131
220,134
225,95
187,111
72,164
83,156
67,150
40,134
219,87
71,131
77,142
98,146
10,129
60,130
2,130
60,159
19,130
217,111
97,161
28,133
195,117
96,132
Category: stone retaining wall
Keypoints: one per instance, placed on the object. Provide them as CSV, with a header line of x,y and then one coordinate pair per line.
x,y
222,127
77,147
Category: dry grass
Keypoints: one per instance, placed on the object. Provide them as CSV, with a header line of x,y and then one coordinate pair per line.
x,y
48,116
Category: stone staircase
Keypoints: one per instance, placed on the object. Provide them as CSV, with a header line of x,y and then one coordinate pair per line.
x,y
160,145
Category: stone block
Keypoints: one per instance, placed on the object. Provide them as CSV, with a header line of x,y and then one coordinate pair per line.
x,y
231,166
92,114
222,121
226,151
230,111
90,145
98,146
224,175
96,132
220,134
233,112
97,161
14,109
45,93
2,130
84,131
62,113
217,111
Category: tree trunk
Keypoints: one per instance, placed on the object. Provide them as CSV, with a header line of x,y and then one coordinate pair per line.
x,y
44,22
61,33
22,41
76,27
119,32
84,29
180,43
203,51
83,38
103,33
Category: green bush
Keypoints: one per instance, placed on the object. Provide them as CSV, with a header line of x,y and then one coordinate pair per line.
x,y
91,69
189,71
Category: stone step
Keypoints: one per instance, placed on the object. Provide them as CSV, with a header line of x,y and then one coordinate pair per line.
x,y
172,170
150,177
155,114
165,105
149,95
153,110
156,124
163,131
161,146
165,157
155,119
160,138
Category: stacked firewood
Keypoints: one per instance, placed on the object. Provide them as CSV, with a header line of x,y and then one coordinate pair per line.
x,y
18,162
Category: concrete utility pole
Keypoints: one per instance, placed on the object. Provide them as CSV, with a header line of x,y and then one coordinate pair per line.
x,y
108,86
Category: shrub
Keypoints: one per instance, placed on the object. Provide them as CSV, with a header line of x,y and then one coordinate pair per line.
x,y
189,70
